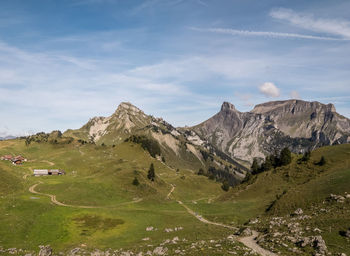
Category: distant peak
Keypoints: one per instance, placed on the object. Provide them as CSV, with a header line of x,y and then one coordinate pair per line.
x,y
128,108
227,106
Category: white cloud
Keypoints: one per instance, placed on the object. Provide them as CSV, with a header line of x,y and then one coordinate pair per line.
x,y
236,32
294,95
307,21
269,90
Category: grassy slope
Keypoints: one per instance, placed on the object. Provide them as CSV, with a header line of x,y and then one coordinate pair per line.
x,y
96,176
102,176
304,185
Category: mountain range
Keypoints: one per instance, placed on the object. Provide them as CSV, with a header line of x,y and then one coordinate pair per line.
x,y
236,136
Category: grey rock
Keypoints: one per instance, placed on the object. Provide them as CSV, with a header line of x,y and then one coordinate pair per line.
x,y
274,125
298,211
246,232
160,250
45,250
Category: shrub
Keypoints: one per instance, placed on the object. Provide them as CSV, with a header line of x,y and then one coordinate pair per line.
x,y
135,182
151,173
322,161
200,172
225,186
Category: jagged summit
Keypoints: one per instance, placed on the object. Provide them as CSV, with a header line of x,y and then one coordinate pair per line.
x,y
291,105
227,106
297,124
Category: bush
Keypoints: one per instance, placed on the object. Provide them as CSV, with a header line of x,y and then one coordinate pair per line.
x,y
285,157
306,156
151,173
225,186
322,161
255,166
201,172
135,182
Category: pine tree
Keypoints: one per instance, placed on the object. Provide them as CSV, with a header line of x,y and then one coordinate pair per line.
x,y
285,157
151,174
135,182
201,171
225,186
306,156
322,161
255,166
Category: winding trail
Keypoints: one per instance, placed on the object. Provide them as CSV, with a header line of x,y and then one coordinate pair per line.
x,y
55,201
249,241
171,191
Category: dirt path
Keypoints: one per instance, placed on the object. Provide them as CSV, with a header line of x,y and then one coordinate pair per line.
x,y
171,191
250,242
55,201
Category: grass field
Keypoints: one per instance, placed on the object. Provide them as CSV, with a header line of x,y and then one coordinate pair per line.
x,y
100,177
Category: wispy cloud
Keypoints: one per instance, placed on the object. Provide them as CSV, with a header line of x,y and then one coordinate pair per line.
x,y
270,34
308,21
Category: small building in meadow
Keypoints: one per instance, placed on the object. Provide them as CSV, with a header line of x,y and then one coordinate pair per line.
x,y
7,157
40,172
44,172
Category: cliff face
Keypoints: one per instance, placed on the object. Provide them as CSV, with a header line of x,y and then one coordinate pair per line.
x,y
297,124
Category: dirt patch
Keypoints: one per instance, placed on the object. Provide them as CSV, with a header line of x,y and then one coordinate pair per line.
x,y
89,224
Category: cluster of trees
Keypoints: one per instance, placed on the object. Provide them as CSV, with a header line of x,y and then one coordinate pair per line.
x,y
148,144
272,161
151,175
220,175
54,137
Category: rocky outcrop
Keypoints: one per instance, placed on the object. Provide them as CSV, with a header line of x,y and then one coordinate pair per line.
x,y
297,124
45,250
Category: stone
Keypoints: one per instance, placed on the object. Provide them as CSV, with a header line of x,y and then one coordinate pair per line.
x,y
160,251
298,211
246,232
45,250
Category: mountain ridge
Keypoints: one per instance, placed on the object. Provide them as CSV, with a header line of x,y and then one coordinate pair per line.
x,y
300,125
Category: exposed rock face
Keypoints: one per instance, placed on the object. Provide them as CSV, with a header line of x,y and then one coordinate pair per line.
x,y
45,250
128,120
297,124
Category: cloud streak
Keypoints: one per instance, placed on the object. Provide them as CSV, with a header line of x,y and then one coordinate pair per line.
x,y
269,34
307,21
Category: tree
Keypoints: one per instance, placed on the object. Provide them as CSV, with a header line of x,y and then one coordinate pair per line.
x,y
255,166
135,182
322,161
306,156
201,171
267,165
151,174
285,157
225,186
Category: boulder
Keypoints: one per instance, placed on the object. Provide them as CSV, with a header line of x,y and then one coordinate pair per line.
x,y
246,232
45,250
160,251
320,245
298,211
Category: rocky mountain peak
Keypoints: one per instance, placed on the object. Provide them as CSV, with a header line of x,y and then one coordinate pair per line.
x,y
227,106
291,106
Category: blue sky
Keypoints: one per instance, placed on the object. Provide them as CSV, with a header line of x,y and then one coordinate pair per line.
x,y
64,61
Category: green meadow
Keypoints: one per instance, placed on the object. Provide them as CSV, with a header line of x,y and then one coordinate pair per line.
x,y
105,210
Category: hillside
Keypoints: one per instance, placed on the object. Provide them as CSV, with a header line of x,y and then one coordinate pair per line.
x,y
271,126
179,148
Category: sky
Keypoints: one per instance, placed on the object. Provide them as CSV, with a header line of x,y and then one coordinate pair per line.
x,y
65,61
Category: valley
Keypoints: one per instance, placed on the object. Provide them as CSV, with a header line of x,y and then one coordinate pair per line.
x,y
197,201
